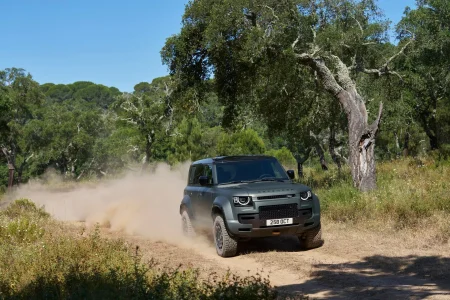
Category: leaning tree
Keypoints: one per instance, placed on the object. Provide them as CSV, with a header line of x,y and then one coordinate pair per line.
x,y
239,43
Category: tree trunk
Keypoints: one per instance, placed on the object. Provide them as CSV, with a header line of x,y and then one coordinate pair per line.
x,y
300,169
148,147
11,162
148,152
405,151
361,135
332,148
429,124
434,144
361,143
321,154
301,157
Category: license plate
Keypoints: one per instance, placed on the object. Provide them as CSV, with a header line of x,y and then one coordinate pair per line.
x,y
277,222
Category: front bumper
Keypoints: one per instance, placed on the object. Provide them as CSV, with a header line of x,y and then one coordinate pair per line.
x,y
250,225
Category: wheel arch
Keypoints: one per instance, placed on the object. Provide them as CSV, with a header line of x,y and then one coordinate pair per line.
x,y
186,205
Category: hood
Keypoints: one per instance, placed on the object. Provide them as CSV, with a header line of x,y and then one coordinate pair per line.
x,y
269,187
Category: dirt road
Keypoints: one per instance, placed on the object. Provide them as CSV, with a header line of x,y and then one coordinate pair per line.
x,y
353,264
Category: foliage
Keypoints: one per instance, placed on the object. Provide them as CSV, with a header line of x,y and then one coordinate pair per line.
x,y
426,67
284,156
20,96
97,94
243,142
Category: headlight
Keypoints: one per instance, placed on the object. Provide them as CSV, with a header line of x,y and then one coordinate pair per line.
x,y
305,195
242,201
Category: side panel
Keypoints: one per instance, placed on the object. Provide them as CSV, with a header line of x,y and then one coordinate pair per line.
x,y
190,194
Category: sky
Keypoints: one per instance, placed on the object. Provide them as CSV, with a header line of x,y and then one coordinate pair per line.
x,y
114,43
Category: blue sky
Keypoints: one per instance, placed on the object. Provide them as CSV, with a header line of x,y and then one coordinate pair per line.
x,y
115,43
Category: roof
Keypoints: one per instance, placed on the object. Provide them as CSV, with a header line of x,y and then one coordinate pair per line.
x,y
230,158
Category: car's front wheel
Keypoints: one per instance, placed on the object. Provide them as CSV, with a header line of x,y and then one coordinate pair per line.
x,y
226,246
312,238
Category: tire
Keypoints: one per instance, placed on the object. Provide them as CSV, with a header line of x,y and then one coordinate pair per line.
x,y
186,224
312,238
226,246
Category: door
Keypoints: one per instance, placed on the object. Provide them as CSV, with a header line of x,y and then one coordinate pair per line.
x,y
205,196
195,189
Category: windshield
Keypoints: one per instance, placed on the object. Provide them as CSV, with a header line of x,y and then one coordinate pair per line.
x,y
250,170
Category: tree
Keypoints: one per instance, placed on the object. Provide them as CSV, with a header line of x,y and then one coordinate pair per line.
x,y
65,135
242,142
427,67
20,95
237,41
149,113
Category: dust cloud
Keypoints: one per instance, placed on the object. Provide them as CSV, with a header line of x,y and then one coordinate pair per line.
x,y
136,204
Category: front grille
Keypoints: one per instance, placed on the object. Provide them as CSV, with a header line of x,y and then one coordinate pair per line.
x,y
278,211
275,197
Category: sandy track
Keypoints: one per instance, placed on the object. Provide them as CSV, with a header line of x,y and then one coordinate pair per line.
x,y
351,264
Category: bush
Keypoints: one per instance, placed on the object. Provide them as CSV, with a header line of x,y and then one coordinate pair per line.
x,y
242,142
43,259
284,156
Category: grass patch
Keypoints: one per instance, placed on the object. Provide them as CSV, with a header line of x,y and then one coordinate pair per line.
x,y
41,258
411,193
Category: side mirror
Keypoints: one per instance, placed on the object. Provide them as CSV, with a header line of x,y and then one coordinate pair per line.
x,y
291,174
203,180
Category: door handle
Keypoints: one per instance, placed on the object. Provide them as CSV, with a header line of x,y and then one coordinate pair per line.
x,y
201,194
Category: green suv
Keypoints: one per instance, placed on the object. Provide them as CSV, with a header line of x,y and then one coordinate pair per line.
x,y
244,197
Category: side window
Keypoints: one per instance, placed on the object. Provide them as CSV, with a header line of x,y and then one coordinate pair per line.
x,y
199,171
209,173
191,175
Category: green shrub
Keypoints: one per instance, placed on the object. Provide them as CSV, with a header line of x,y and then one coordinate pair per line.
x,y
284,156
24,207
42,259
242,142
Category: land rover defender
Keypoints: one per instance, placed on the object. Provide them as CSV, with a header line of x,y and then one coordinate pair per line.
x,y
244,197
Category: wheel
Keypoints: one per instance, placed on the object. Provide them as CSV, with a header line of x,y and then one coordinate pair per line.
x,y
312,238
186,224
226,246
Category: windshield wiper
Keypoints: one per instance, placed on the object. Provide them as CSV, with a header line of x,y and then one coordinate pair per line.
x,y
271,179
266,179
234,182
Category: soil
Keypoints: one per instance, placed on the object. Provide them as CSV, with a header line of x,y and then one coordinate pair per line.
x,y
352,264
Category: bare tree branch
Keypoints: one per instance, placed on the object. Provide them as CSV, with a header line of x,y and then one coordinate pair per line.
x,y
326,76
397,54
359,25
295,42
272,10
381,72
129,120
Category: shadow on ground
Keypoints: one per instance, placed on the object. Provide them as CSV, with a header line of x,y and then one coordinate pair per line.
x,y
380,277
281,244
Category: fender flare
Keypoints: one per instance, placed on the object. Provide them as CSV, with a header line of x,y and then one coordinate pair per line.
x,y
186,204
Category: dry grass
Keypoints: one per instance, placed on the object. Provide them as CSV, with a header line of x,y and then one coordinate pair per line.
x,y
412,195
41,258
